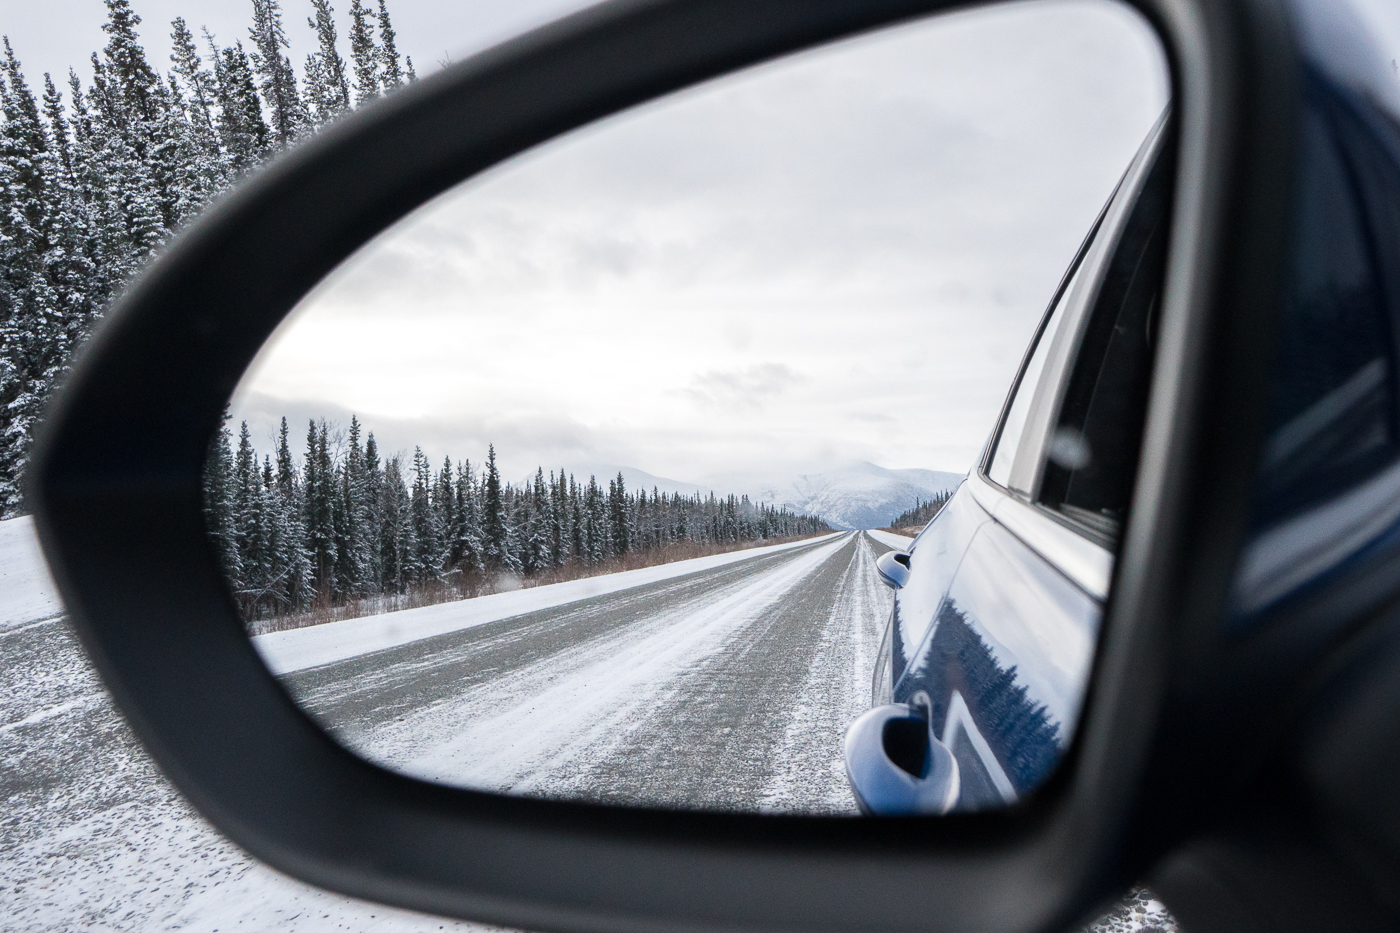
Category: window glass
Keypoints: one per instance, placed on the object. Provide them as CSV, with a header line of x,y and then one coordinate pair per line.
x,y
1332,411
1092,455
1014,425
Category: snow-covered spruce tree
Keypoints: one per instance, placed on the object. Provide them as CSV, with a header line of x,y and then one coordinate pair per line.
x,y
243,133
389,68
318,483
353,535
363,53
33,221
467,538
396,540
327,90
495,545
218,504
199,82
276,79
373,513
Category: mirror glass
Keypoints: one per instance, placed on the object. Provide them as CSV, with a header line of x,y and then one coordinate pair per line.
x,y
594,478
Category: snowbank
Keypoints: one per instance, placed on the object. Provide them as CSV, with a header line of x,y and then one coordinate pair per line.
x,y
27,593
897,541
298,649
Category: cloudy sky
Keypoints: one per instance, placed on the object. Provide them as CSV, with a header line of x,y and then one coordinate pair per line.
x,y
837,256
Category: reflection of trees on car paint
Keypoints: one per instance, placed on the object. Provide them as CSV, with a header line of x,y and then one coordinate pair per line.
x,y
1021,733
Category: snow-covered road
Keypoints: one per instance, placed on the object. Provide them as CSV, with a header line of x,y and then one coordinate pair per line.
x,y
728,687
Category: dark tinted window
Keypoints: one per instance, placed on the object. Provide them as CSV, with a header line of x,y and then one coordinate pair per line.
x,y
1332,418
1092,455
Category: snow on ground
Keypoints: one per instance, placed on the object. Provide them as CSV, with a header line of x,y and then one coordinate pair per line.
x,y
27,592
846,661
554,718
93,838
298,649
897,541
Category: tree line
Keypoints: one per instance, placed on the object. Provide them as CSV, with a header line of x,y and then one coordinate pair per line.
x,y
923,512
93,181
345,522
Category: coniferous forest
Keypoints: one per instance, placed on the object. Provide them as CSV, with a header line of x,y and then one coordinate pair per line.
x,y
922,513
345,530
98,170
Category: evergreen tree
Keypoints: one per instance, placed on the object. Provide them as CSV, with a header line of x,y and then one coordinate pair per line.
x,y
389,67
495,525
318,484
363,53
218,503
242,130
328,91
199,82
277,80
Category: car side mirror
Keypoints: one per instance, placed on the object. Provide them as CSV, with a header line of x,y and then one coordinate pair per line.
x,y
893,568
1184,763
897,766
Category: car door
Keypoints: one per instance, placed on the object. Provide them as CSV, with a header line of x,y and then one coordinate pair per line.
x,y
1007,585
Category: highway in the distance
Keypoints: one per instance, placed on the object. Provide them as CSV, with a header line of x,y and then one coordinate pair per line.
x,y
727,688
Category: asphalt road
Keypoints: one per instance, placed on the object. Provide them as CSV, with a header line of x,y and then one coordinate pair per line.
x,y
730,688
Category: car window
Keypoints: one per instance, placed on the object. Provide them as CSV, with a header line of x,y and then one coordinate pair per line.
x,y
1092,454
1332,418
1013,428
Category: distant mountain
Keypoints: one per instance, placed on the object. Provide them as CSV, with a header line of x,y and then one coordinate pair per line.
x,y
634,478
860,495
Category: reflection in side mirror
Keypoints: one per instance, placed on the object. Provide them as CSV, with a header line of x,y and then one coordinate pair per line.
x,y
893,568
582,481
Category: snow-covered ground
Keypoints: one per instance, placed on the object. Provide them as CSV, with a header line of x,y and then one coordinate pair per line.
x,y
892,540
700,689
93,838
298,649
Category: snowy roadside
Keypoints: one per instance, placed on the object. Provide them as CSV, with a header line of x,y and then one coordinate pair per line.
x,y
302,648
92,837
896,541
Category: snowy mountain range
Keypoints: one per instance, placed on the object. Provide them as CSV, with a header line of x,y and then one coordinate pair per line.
x,y
856,495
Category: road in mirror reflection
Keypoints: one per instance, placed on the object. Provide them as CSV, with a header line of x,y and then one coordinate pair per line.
x,y
574,482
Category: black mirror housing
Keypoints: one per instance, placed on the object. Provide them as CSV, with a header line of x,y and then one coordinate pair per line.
x,y
116,484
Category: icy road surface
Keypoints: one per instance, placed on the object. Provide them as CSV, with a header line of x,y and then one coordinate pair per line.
x,y
729,687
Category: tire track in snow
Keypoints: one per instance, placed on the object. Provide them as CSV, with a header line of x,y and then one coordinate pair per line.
x,y
759,725
809,770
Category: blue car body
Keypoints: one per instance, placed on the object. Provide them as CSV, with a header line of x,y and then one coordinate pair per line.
x,y
990,649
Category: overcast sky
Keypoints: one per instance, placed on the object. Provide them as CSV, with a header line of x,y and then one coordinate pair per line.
x,y
838,256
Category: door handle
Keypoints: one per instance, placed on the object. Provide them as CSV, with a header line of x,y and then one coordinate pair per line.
x,y
896,766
